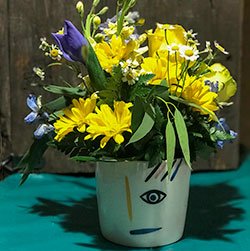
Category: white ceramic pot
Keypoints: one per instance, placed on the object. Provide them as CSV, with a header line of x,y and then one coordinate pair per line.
x,y
140,206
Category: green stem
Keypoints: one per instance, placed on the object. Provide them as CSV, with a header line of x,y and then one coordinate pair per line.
x,y
167,103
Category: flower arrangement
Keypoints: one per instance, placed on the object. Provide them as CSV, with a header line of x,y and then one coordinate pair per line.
x,y
153,96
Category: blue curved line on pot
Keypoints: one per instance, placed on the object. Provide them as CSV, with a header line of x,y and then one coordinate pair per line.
x,y
166,174
144,231
175,171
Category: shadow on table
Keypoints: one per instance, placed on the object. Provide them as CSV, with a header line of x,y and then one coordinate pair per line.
x,y
80,216
210,209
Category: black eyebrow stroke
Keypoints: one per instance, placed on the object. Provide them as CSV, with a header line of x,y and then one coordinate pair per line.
x,y
152,172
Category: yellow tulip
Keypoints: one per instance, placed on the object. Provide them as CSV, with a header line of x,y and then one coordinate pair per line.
x,y
165,34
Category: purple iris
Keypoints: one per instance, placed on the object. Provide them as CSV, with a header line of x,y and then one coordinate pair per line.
x,y
71,42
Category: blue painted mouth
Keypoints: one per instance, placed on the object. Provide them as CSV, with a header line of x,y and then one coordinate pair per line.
x,y
144,231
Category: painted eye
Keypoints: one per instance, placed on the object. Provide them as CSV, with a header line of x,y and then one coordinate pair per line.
x,y
153,196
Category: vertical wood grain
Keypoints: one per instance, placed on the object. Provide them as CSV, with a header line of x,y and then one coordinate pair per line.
x,y
245,93
30,20
5,111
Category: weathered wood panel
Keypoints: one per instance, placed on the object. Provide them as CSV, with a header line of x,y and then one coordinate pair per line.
x,y
29,20
5,113
245,85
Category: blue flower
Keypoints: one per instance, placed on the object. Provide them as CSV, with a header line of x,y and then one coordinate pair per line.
x,y
37,116
222,123
34,106
71,42
232,134
220,144
214,86
42,130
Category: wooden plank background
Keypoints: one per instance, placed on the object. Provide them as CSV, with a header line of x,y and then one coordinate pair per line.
x,y
22,23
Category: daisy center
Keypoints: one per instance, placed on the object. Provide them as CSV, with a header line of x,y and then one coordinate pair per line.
x,y
54,53
189,53
175,47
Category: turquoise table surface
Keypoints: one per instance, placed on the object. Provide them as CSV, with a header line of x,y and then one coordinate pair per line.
x,y
57,212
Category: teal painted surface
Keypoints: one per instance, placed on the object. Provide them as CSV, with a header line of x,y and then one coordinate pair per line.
x,y
55,212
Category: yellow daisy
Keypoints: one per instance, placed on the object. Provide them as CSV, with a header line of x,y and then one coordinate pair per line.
x,y
200,94
109,123
74,117
110,54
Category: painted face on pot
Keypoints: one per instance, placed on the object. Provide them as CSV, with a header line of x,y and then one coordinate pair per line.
x,y
140,206
146,197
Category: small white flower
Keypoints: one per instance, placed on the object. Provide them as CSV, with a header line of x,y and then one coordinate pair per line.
x,y
189,53
55,53
39,72
208,47
190,34
173,48
44,45
80,76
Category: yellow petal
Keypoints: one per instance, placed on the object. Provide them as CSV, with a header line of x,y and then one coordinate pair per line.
x,y
118,138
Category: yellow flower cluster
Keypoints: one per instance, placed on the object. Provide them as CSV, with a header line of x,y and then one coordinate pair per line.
x,y
121,50
111,53
172,52
85,116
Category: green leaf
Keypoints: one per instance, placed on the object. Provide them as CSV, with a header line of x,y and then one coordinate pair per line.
x,y
159,91
143,79
137,114
56,104
68,91
141,88
96,73
144,128
83,158
107,94
170,145
182,135
149,109
32,158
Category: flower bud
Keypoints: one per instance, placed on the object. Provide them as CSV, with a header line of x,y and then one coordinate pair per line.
x,y
80,7
103,10
96,2
96,21
99,37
